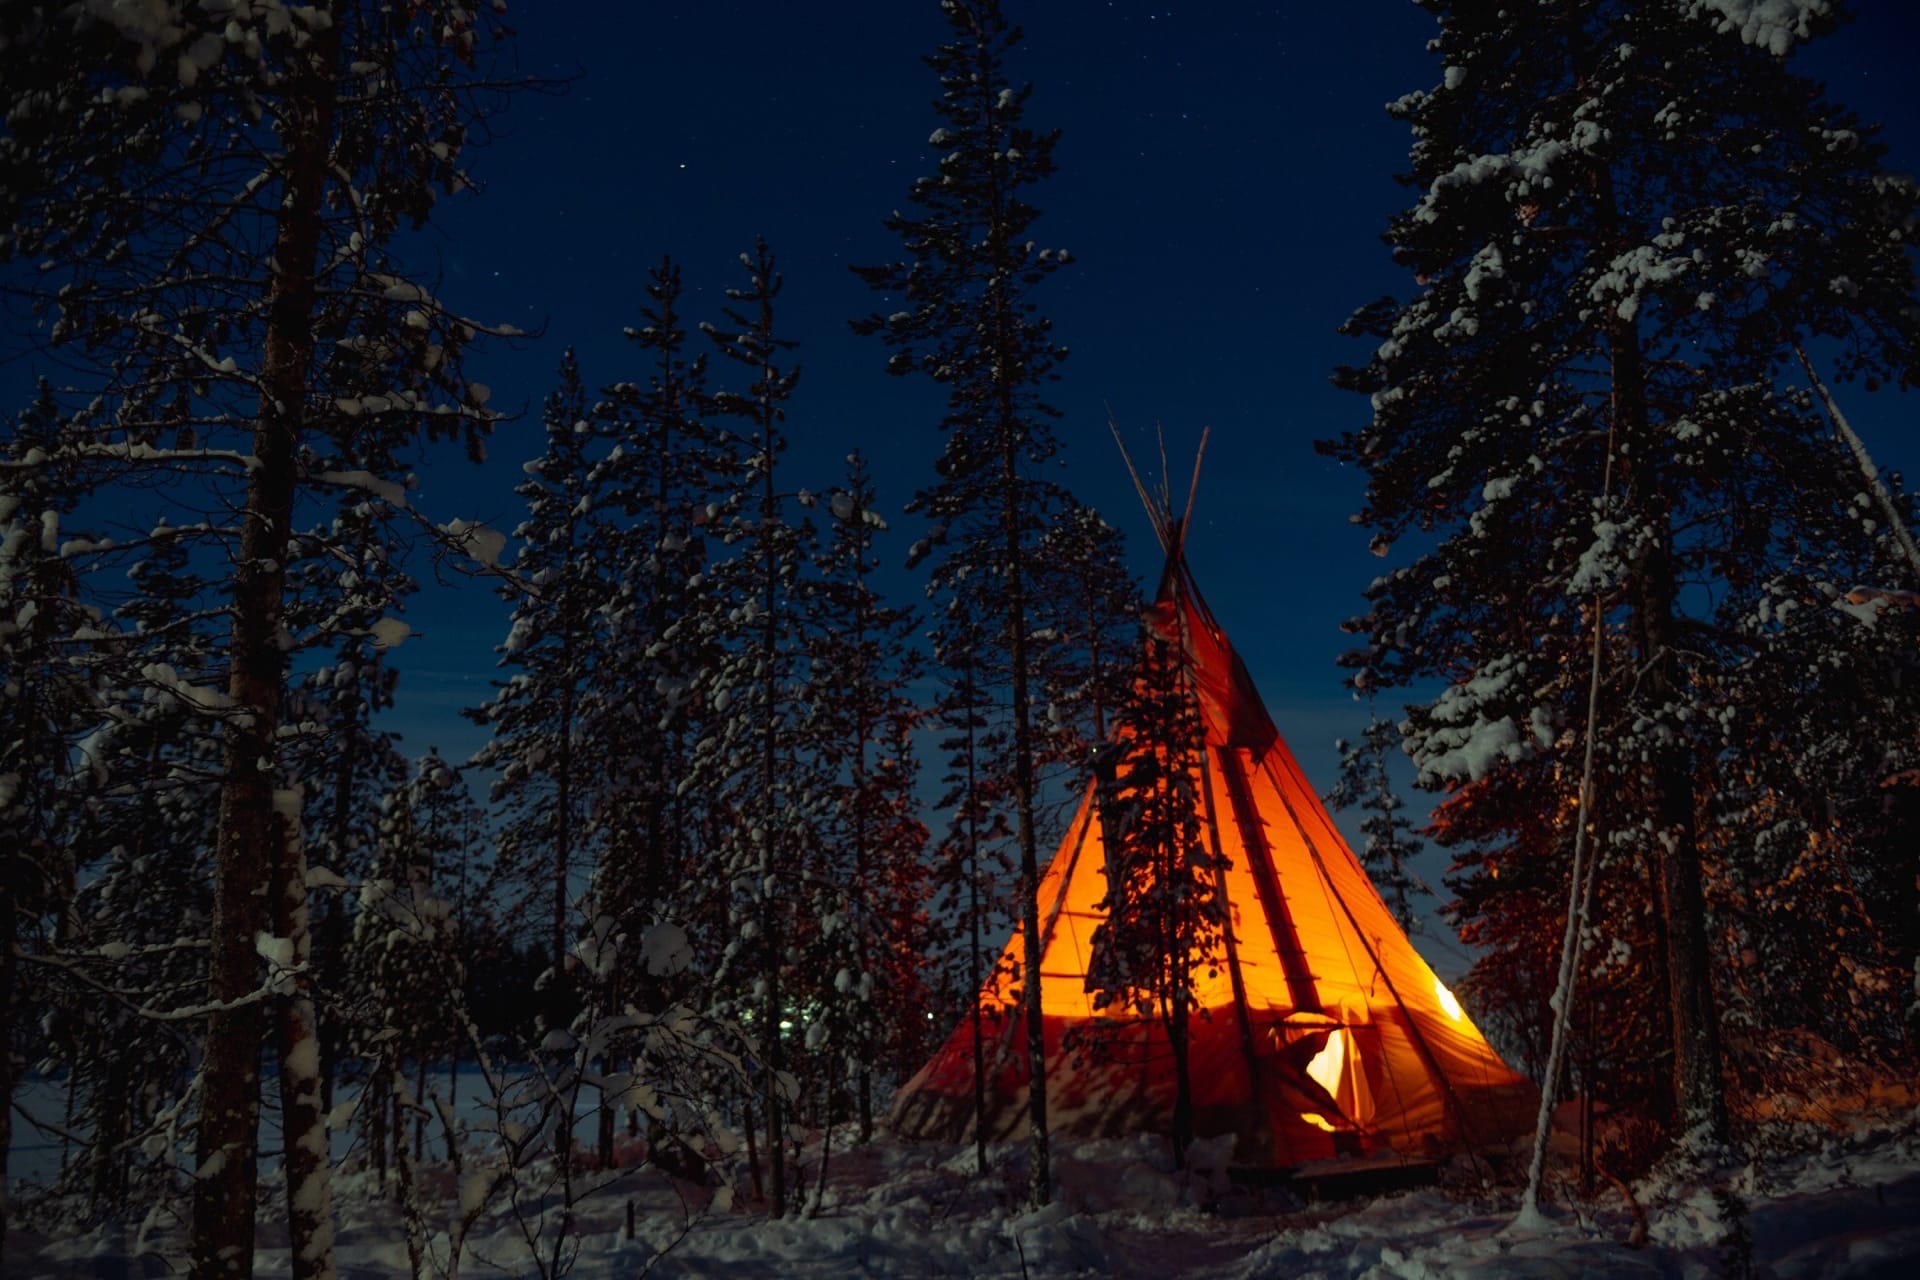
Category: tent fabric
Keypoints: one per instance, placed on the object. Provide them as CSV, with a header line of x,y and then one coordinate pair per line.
x,y
1318,1031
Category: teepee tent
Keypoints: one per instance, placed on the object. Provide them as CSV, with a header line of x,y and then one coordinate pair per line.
x,y
1322,1033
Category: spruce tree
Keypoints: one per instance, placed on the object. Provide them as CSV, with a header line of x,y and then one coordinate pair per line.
x,y
966,318
1164,913
864,663
49,701
1627,217
752,758
407,973
538,717
670,477
142,857
973,857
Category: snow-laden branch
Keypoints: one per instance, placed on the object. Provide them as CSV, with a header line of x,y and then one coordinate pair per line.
x,y
76,968
36,459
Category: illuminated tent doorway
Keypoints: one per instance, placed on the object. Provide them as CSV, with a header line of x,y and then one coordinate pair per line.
x,y
1323,1033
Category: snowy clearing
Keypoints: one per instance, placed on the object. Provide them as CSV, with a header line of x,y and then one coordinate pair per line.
x,y
1838,1205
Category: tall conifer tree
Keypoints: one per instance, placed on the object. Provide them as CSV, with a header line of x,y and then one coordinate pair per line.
x,y
753,756
1627,215
212,195
864,662
539,715
968,320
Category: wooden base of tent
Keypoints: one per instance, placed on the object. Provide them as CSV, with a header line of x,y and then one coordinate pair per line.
x,y
1342,1179
1112,1077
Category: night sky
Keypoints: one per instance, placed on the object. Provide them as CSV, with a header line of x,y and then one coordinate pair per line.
x,y
1225,173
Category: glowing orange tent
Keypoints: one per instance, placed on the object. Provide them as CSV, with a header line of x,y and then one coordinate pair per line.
x,y
1322,1033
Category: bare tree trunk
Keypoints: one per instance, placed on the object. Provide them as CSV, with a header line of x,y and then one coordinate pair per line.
x,y
1040,1179
226,1177
309,1166
420,1103
1182,1078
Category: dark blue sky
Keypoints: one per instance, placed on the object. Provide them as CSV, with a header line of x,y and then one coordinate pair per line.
x,y
1225,174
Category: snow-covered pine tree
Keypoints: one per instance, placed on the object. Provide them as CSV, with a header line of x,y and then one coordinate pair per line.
x,y
974,856
672,476
1387,842
407,973
753,758
966,318
1164,909
207,196
864,662
1588,405
538,716
151,784
446,823
48,702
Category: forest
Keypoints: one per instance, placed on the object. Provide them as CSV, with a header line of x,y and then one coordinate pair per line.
x,y
774,755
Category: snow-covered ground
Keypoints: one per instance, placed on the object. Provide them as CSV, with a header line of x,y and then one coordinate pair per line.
x,y
1838,1204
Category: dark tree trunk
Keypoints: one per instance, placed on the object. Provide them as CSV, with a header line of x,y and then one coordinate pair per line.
x,y
753,1150
974,975
1676,846
373,1100
1182,1078
1040,1179
420,1104
863,1085
1664,1103
226,1184
562,820
609,1108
